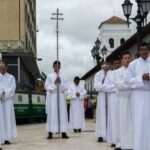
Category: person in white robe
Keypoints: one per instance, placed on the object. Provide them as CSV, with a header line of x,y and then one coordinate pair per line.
x,y
99,85
77,93
112,103
138,78
57,120
8,87
125,106
1,125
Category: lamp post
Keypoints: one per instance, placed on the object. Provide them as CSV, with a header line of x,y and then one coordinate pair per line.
x,y
95,52
104,52
143,8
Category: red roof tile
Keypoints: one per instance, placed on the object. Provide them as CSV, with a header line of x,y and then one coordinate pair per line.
x,y
114,20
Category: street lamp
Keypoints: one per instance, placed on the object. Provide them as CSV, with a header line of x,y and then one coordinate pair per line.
x,y
143,8
97,43
104,52
95,51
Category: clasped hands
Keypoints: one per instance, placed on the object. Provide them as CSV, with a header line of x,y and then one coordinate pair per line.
x,y
77,94
146,76
58,80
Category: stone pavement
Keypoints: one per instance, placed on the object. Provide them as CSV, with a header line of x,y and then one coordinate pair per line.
x,y
33,137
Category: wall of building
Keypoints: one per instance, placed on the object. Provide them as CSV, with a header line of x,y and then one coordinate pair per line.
x,y
18,34
30,17
9,22
18,23
115,32
89,83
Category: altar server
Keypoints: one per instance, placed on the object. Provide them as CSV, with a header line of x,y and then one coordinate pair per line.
x,y
77,93
57,120
8,87
125,105
99,85
138,78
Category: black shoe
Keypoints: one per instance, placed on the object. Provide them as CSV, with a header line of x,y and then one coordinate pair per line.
x,y
7,142
75,130
79,130
117,148
50,136
0,148
113,145
64,136
100,139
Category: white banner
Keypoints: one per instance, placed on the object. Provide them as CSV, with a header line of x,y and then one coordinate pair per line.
x,y
38,99
21,98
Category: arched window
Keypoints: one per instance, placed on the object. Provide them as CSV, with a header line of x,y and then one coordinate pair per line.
x,y
111,43
122,40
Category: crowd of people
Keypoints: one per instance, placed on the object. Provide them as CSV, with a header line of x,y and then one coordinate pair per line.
x,y
122,110
57,118
122,116
90,106
122,113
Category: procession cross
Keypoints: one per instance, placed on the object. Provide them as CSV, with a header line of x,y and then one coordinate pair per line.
x,y
57,18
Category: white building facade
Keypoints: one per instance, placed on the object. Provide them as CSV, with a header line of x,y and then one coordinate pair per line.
x,y
113,32
130,45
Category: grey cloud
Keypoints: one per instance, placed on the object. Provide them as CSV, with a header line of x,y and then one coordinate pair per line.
x,y
78,32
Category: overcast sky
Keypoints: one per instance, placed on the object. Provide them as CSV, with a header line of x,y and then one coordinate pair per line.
x,y
78,32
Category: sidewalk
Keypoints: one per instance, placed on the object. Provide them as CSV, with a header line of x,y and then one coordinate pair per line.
x,y
33,137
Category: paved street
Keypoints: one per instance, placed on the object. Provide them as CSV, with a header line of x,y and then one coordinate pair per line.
x,y
33,137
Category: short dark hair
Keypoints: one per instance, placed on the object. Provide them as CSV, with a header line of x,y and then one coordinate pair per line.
x,y
56,62
125,53
143,44
104,62
116,58
76,78
4,63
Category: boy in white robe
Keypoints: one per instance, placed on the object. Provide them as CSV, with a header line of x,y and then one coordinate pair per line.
x,y
77,93
112,103
8,87
124,101
138,78
57,120
99,85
